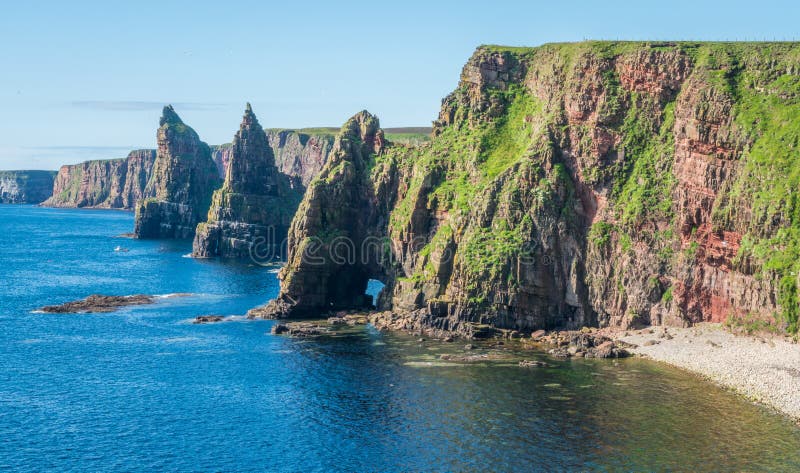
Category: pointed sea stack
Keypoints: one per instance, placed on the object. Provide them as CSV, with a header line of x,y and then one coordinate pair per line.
x,y
250,215
184,177
329,265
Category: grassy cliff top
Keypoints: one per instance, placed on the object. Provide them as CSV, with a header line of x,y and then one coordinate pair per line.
x,y
325,130
617,48
411,135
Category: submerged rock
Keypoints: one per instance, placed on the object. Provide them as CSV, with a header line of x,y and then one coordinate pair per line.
x,y
300,329
208,319
473,358
533,364
98,303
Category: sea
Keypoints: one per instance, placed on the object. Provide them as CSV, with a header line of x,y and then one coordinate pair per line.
x,y
145,389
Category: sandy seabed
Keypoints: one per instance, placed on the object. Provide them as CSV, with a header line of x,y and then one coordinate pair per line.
x,y
765,369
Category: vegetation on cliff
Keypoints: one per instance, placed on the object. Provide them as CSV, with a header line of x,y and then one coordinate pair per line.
x,y
25,187
250,214
183,179
108,183
600,182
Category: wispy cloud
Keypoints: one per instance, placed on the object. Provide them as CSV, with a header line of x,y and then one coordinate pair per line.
x,y
90,149
140,105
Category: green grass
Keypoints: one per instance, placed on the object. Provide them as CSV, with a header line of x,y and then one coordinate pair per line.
x,y
455,171
488,250
767,112
509,138
646,188
667,296
409,138
600,233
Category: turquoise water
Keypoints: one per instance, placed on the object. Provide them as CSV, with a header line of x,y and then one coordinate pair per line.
x,y
142,389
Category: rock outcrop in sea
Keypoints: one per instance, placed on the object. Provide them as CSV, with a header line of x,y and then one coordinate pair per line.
x,y
250,215
183,179
25,187
109,183
325,270
596,183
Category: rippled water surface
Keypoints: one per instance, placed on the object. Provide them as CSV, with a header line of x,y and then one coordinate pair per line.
x,y
143,389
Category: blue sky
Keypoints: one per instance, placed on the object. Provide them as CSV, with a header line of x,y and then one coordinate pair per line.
x,y
85,80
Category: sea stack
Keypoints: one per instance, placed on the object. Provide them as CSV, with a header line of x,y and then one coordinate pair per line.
x,y
250,215
183,179
329,265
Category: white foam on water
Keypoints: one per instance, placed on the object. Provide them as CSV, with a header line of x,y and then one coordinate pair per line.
x,y
172,295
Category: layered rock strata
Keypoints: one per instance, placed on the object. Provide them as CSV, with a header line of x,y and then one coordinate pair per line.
x,y
111,183
328,267
25,187
183,179
250,215
597,183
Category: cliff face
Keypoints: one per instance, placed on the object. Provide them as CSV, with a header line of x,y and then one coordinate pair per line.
x,y
120,183
578,184
298,154
221,155
179,190
112,184
25,187
250,215
324,269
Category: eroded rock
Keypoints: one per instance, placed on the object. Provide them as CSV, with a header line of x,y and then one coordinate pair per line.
x,y
99,303
208,319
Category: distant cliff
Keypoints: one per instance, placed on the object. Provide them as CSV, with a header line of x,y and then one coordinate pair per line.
x,y
221,155
120,183
300,154
110,184
596,183
183,179
25,187
250,214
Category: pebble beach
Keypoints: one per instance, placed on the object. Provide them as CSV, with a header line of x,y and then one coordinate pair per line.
x,y
762,368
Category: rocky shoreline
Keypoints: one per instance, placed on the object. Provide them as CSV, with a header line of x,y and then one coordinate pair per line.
x,y
765,369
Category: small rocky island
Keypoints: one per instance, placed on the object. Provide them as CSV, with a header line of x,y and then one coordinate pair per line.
x,y
98,303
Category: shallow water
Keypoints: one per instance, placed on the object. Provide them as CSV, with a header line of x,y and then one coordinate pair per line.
x,y
143,389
